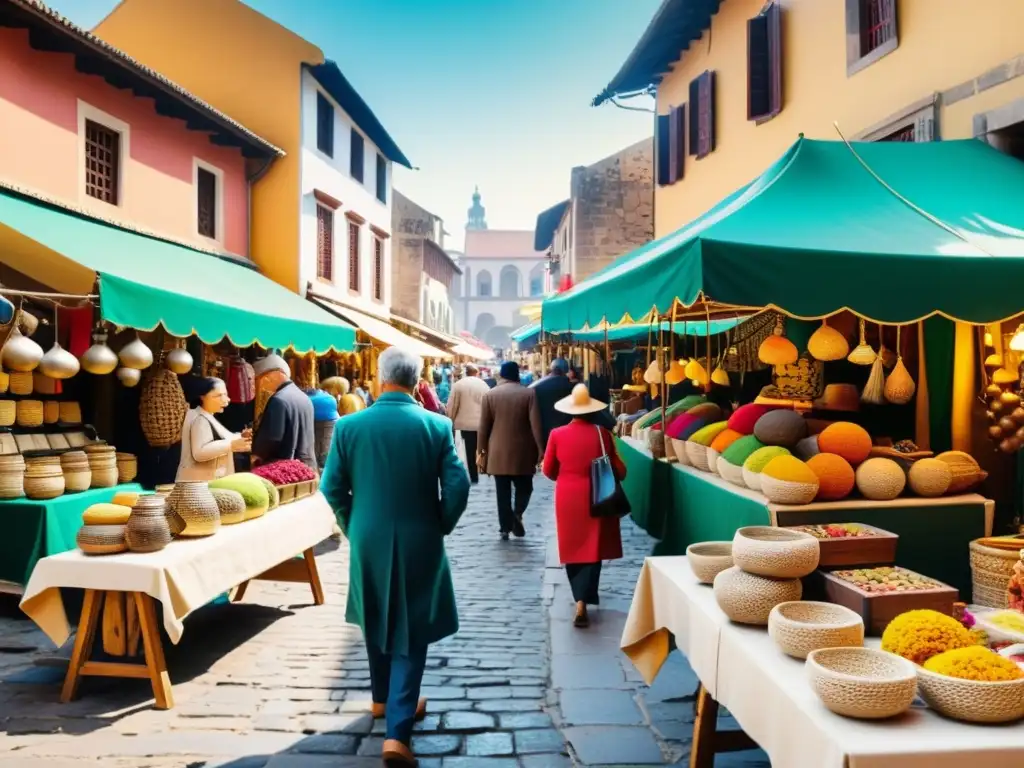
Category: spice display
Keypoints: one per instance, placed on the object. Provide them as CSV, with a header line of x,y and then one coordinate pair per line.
x,y
285,472
1011,620
837,531
257,500
974,663
887,579
919,635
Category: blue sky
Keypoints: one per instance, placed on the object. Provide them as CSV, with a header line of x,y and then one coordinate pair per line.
x,y
488,92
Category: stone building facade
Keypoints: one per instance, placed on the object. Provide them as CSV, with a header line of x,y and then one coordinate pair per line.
x,y
422,273
609,213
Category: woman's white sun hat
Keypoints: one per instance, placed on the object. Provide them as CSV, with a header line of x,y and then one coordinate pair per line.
x,y
579,402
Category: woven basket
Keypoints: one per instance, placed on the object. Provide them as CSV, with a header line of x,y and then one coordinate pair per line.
x,y
147,529
51,412
708,559
697,456
162,407
48,486
70,412
777,553
991,570
12,477
21,383
679,448
30,413
749,599
230,504
863,683
76,481
8,413
127,467
197,508
972,701
104,477
801,627
101,539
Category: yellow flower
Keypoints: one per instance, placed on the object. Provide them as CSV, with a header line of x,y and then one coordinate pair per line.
x,y
919,635
974,663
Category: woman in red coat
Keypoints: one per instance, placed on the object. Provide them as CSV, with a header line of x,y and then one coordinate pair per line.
x,y
583,541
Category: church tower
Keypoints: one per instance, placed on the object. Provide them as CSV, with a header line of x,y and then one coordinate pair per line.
x,y
476,212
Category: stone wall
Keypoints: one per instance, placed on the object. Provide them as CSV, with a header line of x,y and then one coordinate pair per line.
x,y
613,205
410,226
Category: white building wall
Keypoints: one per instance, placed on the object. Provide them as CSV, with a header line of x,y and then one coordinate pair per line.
x,y
435,306
474,312
330,175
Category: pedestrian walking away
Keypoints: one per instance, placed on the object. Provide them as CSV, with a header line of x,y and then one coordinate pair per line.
x,y
464,408
400,586
583,540
510,446
552,388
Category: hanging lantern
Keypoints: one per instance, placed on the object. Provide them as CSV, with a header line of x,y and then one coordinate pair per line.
x,y
99,359
994,361
1017,342
676,373
20,353
900,386
720,377
827,343
129,376
696,373
135,354
58,363
862,354
777,349
653,373
179,361
1002,377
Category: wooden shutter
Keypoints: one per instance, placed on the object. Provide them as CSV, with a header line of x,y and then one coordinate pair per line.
x,y
324,243
353,256
663,122
705,114
382,179
774,15
694,116
924,126
324,125
206,201
677,143
356,165
758,75
378,269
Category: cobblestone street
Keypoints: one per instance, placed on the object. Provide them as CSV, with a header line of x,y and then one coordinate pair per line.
x,y
277,683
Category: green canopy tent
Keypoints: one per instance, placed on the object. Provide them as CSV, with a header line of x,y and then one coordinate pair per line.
x,y
529,334
894,232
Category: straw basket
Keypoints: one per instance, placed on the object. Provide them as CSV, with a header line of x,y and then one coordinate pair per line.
x,y
863,683
147,529
70,412
21,383
77,475
162,407
12,476
991,570
778,553
8,413
30,413
197,507
708,559
972,701
801,627
749,599
101,539
44,479
127,467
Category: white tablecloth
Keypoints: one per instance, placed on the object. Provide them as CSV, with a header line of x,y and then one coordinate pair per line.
x,y
185,575
768,693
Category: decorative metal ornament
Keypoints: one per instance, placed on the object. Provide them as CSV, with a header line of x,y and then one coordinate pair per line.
x,y
99,359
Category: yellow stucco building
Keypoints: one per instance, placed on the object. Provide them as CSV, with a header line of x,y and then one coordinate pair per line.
x,y
899,69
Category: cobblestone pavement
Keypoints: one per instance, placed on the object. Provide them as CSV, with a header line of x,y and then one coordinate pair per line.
x,y
278,683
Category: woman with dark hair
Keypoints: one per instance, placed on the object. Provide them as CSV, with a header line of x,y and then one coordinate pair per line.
x,y
206,446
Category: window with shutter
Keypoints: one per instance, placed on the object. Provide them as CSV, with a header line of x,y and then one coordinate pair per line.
x,y
764,64
353,256
382,179
102,162
871,32
677,143
356,156
378,269
664,152
324,125
324,243
702,115
206,202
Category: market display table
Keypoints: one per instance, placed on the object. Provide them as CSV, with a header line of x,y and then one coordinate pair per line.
x,y
768,693
36,529
681,505
184,576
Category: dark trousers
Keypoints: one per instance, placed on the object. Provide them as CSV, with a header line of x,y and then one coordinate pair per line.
x,y
469,438
584,580
507,511
395,681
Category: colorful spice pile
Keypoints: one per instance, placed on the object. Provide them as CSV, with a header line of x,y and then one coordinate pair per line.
x,y
285,472
837,531
919,635
887,579
974,663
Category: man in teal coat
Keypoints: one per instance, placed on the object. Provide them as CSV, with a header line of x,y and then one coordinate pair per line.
x,y
397,487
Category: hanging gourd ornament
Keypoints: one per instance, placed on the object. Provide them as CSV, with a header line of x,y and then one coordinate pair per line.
x,y
676,373
58,363
827,343
862,354
135,354
900,386
696,373
179,361
777,350
20,353
99,359
129,376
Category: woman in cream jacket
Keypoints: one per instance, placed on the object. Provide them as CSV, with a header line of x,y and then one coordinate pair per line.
x,y
207,448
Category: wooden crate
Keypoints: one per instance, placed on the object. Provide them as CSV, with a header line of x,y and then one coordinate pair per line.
x,y
295,491
857,551
878,609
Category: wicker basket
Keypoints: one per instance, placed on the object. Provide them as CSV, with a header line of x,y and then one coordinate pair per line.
x,y
21,383
749,599
147,529
708,559
697,455
30,413
777,553
863,683
162,407
679,449
44,482
70,412
197,508
104,477
991,570
8,413
77,480
230,504
101,539
127,467
801,627
12,476
972,701
51,412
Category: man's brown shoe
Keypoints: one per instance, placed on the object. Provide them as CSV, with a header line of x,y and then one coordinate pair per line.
x,y
397,755
377,710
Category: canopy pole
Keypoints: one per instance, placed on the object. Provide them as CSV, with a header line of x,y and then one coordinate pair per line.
x,y
707,348
663,391
43,295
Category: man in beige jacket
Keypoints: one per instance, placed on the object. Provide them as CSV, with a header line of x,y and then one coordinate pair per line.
x,y
464,404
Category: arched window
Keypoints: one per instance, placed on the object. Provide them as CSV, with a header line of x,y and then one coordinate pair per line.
x,y
484,322
537,280
510,282
483,283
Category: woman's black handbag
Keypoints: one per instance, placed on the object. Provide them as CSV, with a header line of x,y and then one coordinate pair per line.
x,y
607,499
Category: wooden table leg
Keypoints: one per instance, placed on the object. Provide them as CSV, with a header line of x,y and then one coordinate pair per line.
x,y
314,577
87,624
155,661
240,592
702,748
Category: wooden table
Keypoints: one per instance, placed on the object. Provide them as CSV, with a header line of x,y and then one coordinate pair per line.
x,y
124,589
769,695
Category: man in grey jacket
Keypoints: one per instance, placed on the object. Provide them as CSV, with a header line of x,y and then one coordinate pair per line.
x,y
286,429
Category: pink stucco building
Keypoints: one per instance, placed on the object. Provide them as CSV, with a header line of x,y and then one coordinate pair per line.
x,y
85,125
